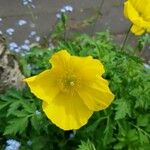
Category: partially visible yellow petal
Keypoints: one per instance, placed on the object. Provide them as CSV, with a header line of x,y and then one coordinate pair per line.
x,y
134,16
131,13
137,30
43,85
126,9
97,96
60,59
67,111
148,30
143,7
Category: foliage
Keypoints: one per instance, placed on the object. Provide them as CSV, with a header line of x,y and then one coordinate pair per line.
x,y
86,146
143,40
124,125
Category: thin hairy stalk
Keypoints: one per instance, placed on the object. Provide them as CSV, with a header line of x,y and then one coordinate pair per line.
x,y
33,19
97,17
125,39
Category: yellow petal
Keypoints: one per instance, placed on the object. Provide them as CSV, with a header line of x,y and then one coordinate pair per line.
x,y
143,7
63,60
137,30
67,111
97,96
43,85
92,66
60,59
134,16
87,67
148,29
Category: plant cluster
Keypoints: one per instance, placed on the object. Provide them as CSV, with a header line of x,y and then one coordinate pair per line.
x,y
124,125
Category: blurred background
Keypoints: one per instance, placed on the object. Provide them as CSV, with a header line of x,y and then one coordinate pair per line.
x,y
26,21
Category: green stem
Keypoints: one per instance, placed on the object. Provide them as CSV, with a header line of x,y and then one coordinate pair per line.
x,y
97,17
139,129
33,19
125,39
65,31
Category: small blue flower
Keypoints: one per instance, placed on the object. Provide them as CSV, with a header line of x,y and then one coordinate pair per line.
x,y
12,145
25,47
26,2
37,38
22,22
9,148
13,45
62,10
32,33
68,8
26,41
29,142
58,15
37,112
10,31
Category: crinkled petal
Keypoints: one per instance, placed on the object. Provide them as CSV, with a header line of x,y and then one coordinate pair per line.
x,y
67,111
134,16
60,59
137,30
43,85
87,68
89,65
77,64
97,96
141,6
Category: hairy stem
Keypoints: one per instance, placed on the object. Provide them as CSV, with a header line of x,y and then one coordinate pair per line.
x,y
97,17
125,39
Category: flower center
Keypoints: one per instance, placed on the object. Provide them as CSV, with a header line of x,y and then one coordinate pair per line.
x,y
68,83
72,83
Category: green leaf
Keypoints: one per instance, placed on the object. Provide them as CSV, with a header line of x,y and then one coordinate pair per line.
x,y
35,121
20,113
13,106
3,104
143,120
15,94
119,146
86,146
132,135
16,125
143,138
122,109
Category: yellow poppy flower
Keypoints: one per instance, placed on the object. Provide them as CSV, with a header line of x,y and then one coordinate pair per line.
x,y
71,90
138,12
